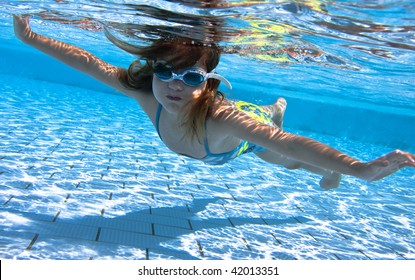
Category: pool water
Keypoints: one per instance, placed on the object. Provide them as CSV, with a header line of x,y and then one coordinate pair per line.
x,y
83,175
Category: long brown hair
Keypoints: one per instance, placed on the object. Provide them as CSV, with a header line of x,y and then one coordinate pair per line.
x,y
182,53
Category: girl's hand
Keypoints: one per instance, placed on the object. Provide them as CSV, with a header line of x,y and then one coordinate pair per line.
x,y
22,28
386,165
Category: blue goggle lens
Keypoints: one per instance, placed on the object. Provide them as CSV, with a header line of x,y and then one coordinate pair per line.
x,y
189,77
163,72
193,78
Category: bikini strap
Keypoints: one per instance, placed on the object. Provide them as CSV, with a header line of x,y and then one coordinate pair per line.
x,y
207,147
158,119
206,142
159,108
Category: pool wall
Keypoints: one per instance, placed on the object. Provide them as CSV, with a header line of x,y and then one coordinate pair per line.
x,y
377,124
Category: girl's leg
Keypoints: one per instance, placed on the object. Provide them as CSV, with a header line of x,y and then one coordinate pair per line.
x,y
329,181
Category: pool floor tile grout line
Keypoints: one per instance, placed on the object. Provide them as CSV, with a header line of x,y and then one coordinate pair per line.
x,y
363,253
33,241
98,234
56,216
246,244
199,246
8,200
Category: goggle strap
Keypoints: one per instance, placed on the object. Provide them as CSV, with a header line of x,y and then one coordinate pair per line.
x,y
220,78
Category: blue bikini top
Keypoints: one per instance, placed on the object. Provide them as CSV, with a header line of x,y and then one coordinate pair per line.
x,y
217,159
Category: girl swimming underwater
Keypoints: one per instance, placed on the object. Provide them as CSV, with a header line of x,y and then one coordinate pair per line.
x,y
177,88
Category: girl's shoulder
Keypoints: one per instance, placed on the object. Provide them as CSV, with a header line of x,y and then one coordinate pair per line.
x,y
219,106
222,103
223,109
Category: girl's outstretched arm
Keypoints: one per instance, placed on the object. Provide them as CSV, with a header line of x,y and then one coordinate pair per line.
x,y
307,150
73,56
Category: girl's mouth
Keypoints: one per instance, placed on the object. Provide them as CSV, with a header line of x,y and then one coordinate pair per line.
x,y
174,98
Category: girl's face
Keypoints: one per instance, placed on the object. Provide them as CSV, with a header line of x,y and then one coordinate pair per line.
x,y
175,95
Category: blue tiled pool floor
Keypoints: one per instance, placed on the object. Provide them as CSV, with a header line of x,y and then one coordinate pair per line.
x,y
83,175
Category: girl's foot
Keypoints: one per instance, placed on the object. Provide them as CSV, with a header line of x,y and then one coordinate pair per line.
x,y
277,111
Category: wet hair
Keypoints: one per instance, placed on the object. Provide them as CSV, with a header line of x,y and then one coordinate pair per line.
x,y
181,53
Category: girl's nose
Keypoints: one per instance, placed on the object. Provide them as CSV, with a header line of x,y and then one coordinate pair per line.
x,y
176,84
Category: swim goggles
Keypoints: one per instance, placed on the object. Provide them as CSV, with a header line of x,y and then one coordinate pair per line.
x,y
192,77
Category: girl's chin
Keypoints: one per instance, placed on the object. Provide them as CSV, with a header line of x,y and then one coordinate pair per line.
x,y
173,107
